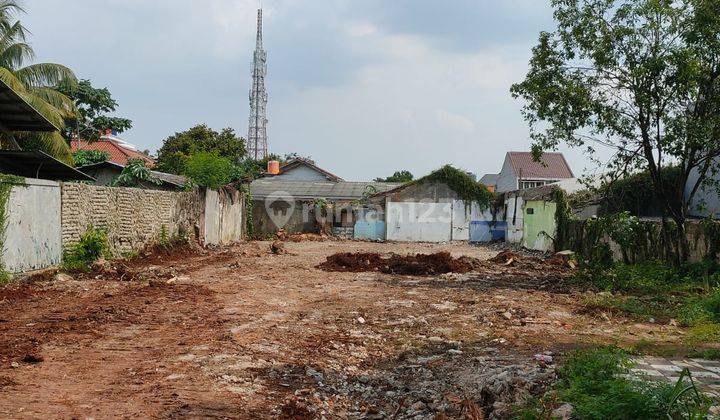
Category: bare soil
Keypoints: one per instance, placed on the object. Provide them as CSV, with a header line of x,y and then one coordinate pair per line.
x,y
242,332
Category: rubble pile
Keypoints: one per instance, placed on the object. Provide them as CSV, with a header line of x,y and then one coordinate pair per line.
x,y
443,263
443,383
418,264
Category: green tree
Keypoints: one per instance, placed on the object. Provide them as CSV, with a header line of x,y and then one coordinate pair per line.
x,y
89,157
93,106
208,169
201,138
641,77
136,174
34,83
398,176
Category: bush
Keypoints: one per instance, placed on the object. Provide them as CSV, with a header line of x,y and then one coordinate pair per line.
x,y
88,157
209,169
597,384
92,246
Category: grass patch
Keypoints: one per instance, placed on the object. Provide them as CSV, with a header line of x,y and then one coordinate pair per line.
x,y
596,383
689,294
92,246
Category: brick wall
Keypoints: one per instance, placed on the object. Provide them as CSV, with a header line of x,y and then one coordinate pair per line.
x,y
133,217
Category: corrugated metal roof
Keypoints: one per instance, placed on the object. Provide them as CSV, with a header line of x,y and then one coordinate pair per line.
x,y
551,166
18,115
262,188
38,164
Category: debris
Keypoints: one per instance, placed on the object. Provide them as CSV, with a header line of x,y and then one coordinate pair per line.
x,y
507,315
564,412
32,358
543,358
361,320
277,247
63,277
14,365
418,264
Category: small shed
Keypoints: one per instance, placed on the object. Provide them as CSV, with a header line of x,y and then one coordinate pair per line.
x,y
431,210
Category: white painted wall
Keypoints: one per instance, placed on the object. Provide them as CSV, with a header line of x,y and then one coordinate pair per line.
x,y
514,233
432,222
419,222
33,237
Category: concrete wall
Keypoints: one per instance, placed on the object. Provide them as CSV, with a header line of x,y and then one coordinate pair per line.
x,y
32,236
514,217
539,222
706,201
133,217
224,222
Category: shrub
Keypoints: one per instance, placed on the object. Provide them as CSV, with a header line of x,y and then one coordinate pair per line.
x,y
92,246
209,169
596,383
135,174
88,157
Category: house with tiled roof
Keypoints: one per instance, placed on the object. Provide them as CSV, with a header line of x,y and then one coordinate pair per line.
x,y
120,151
520,171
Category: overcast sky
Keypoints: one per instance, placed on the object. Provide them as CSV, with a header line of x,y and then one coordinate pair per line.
x,y
364,87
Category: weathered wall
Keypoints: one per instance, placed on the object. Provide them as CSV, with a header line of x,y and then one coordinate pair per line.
x,y
514,211
507,178
223,216
133,217
650,247
539,222
292,216
32,237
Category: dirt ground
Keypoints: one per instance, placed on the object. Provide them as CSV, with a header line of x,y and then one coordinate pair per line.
x,y
241,332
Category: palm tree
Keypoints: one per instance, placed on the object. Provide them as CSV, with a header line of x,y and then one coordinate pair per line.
x,y
34,83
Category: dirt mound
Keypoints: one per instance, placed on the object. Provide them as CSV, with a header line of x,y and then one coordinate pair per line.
x,y
418,264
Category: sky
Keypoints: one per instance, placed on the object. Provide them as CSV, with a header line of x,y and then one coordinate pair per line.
x,y
363,87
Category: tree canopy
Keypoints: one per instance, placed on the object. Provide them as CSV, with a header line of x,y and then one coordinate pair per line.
x,y
207,169
638,76
180,146
34,83
93,106
398,176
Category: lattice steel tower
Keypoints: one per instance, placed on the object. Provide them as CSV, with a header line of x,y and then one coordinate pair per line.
x,y
257,128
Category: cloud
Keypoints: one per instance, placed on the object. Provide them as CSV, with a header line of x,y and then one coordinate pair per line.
x,y
366,87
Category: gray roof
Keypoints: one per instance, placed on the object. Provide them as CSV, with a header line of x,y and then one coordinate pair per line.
x,y
489,179
344,190
176,180
18,115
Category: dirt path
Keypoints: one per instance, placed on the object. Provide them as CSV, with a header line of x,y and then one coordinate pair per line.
x,y
243,333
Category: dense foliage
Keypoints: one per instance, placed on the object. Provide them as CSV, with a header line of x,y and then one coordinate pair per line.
x,y
637,194
93,106
201,138
208,169
398,176
638,76
136,174
35,84
467,189
89,157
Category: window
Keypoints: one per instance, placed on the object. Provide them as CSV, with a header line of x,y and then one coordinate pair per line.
x,y
532,184
530,210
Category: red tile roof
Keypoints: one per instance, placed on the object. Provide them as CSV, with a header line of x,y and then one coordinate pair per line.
x,y
551,166
118,154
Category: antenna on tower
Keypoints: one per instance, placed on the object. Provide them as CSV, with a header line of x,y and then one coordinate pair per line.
x,y
257,126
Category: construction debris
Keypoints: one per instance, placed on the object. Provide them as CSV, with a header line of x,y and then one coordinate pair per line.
x,y
418,264
277,247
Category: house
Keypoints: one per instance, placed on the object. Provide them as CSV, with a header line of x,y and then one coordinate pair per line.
x,y
531,213
106,172
300,170
706,201
302,197
120,151
431,210
520,171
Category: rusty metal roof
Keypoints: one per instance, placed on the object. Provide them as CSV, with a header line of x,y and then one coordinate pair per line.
x,y
551,166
